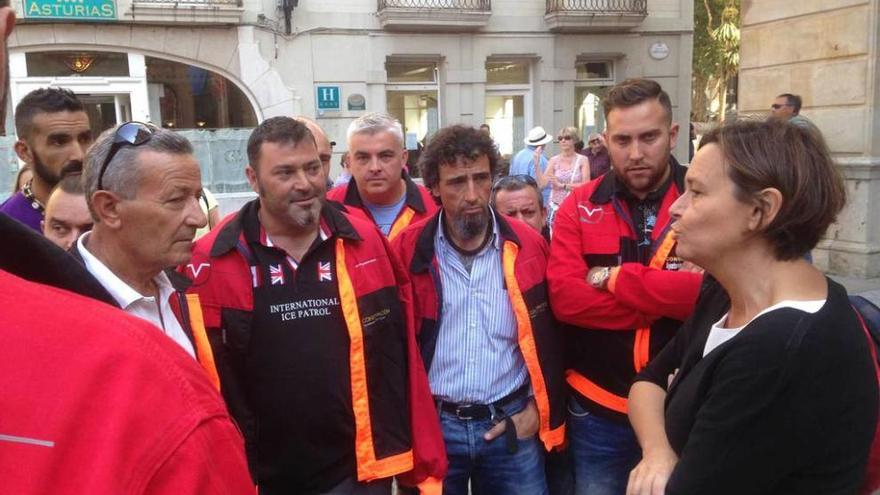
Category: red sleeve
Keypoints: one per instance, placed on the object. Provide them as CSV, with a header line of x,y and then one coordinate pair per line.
x,y
573,300
210,460
429,450
649,290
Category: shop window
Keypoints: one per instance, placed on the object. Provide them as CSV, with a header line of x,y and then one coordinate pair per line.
x,y
76,64
189,97
411,72
507,72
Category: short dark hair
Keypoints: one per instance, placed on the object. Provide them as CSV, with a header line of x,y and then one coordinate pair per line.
x,y
793,159
72,183
283,130
793,100
43,100
632,92
513,183
451,143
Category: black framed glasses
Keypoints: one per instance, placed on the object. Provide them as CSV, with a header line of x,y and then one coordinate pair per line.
x,y
514,179
129,133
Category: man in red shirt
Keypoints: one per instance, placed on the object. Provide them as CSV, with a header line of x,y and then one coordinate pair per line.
x,y
95,401
615,282
380,190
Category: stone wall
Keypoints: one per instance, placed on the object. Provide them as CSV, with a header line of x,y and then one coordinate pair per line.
x,y
828,52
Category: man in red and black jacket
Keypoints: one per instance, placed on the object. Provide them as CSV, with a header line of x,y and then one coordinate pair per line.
x,y
380,190
310,317
486,333
615,281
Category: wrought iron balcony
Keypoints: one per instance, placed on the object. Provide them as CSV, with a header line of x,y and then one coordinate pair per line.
x,y
456,15
594,15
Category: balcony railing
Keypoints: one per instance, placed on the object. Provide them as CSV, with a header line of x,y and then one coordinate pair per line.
x,y
186,11
595,15
445,15
477,5
602,7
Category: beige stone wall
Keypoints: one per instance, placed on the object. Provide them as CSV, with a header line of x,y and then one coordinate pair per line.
x,y
828,52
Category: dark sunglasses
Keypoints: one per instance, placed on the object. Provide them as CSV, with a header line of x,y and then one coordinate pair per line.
x,y
563,138
514,179
777,106
129,133
595,141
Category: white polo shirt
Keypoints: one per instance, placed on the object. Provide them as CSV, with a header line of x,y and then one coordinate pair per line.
x,y
135,304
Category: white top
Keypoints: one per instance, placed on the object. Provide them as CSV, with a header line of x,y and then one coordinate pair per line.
x,y
135,304
719,334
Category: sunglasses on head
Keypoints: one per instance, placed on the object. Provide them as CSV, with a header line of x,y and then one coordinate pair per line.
x,y
514,179
129,133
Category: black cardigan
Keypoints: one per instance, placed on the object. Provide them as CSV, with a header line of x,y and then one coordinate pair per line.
x,y
789,405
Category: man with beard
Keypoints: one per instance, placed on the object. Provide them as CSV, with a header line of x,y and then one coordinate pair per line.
x,y
490,347
615,282
53,136
309,315
380,190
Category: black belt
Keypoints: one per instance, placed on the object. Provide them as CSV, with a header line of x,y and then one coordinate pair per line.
x,y
494,411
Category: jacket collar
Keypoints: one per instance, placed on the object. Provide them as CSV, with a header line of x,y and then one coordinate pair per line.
x,y
424,252
413,197
246,220
610,184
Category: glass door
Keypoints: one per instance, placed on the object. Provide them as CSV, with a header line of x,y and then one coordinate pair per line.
x,y
107,110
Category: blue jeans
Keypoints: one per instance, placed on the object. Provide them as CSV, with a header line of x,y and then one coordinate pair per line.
x,y
489,466
603,452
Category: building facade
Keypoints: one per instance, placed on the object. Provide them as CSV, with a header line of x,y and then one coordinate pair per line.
x,y
214,68
828,52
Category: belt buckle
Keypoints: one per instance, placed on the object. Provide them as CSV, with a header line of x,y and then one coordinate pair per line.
x,y
459,414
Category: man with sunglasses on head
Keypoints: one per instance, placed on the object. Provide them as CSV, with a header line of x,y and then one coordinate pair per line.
x,y
600,162
143,187
94,400
53,136
310,317
517,196
380,190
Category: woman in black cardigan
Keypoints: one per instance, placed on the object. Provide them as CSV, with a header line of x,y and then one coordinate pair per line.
x,y
771,386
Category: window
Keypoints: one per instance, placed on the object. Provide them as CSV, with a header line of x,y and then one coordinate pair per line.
x,y
412,97
506,72
595,71
76,64
411,72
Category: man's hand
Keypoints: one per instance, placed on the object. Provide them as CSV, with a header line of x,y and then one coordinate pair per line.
x,y
526,423
652,473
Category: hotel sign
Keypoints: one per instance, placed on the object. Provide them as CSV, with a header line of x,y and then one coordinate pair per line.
x,y
77,10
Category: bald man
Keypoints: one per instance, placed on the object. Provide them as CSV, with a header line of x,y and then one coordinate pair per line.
x,y
325,146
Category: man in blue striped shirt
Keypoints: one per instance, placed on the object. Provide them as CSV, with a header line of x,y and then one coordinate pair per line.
x,y
485,331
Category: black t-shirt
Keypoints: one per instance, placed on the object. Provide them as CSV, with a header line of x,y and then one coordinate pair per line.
x,y
298,370
789,405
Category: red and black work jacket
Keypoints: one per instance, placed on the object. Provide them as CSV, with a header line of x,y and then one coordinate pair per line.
x,y
418,205
610,335
186,307
524,260
394,425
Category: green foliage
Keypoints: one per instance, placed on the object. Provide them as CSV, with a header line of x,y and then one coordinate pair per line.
x,y
716,52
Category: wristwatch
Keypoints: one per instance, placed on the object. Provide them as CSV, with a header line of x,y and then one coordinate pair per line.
x,y
599,278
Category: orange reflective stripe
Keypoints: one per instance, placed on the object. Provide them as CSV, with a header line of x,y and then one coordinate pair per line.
x,y
528,348
204,354
595,393
431,486
641,348
642,344
368,467
401,223
659,258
